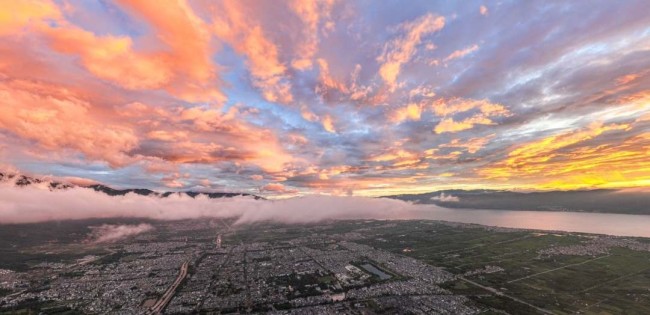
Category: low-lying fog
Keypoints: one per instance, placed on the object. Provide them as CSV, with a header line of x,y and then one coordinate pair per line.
x,y
36,204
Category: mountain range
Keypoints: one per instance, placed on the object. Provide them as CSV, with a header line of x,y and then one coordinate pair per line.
x,y
630,201
627,201
24,180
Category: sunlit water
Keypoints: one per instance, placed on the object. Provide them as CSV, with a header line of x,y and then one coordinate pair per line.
x,y
599,223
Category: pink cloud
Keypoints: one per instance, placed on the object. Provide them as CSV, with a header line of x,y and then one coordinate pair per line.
x,y
234,25
189,53
58,120
483,10
461,53
311,13
182,66
277,188
401,49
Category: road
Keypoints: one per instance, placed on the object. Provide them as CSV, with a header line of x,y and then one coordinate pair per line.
x,y
162,302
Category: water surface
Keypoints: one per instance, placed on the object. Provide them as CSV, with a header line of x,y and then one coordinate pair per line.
x,y
370,268
585,222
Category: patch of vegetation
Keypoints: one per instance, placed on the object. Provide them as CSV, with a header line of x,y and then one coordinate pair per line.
x,y
614,283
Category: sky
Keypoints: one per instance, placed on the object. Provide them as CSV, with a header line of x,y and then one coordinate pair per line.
x,y
365,98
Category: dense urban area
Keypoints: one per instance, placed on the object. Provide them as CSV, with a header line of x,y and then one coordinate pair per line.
x,y
346,267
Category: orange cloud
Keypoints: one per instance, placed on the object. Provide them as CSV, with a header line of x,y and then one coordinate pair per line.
x,y
308,114
472,145
190,52
623,80
146,77
433,154
173,181
234,26
214,136
398,159
450,125
563,161
61,121
350,183
640,99
328,124
394,155
450,107
446,107
164,135
112,58
311,13
544,149
326,79
411,111
58,120
297,139
277,188
15,15
182,66
400,50
461,53
326,121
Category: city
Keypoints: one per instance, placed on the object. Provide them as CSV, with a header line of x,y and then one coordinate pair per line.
x,y
349,267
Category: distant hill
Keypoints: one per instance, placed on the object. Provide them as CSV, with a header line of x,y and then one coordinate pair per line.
x,y
599,200
23,180
147,192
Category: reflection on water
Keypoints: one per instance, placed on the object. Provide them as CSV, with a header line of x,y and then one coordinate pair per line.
x,y
600,223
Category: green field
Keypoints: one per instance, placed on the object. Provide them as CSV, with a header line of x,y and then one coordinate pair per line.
x,y
613,283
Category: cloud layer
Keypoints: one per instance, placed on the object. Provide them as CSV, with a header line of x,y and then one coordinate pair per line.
x,y
38,204
109,233
337,97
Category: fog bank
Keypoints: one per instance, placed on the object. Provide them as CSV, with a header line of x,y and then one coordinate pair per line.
x,y
31,204
108,233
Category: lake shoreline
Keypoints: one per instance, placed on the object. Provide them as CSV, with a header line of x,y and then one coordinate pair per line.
x,y
614,224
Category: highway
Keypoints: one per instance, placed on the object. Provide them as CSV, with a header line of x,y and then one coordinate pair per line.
x,y
162,302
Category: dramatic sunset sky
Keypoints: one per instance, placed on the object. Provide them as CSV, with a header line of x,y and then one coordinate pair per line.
x,y
282,98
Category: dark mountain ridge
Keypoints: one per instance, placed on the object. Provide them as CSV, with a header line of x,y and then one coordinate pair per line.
x,y
597,200
23,180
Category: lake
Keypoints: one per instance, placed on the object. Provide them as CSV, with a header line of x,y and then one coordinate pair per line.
x,y
585,222
370,268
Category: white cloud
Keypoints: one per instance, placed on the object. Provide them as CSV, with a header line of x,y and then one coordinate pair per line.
x,y
34,204
108,233
445,198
